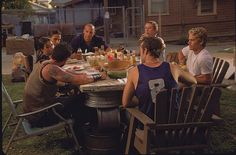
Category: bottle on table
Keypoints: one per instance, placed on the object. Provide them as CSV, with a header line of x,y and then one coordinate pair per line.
x,y
102,50
134,57
79,54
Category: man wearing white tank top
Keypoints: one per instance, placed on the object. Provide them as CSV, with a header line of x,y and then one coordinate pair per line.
x,y
198,60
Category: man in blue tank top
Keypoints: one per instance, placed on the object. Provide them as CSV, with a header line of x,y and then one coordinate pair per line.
x,y
152,70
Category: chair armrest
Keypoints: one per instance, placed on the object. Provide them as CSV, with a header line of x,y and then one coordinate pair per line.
x,y
216,119
17,101
219,85
215,85
40,110
140,116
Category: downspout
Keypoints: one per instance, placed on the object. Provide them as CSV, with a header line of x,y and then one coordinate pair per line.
x,y
133,18
181,18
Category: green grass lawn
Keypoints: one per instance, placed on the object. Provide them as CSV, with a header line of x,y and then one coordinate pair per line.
x,y
222,139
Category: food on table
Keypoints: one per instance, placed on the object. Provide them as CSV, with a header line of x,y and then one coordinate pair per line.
x,y
71,61
117,74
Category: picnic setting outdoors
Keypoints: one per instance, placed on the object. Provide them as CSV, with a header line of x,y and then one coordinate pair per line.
x,y
109,77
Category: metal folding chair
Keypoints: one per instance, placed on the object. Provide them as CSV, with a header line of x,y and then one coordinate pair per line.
x,y
33,131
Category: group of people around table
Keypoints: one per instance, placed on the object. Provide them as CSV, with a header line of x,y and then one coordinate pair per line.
x,y
42,85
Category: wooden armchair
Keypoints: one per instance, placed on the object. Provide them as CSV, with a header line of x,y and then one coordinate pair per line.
x,y
174,127
35,131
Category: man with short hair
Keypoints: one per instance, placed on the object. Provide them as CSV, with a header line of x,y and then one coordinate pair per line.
x,y
88,40
151,30
199,61
45,47
55,37
41,88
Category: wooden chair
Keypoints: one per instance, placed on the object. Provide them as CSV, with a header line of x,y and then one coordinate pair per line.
x,y
33,131
174,127
172,57
220,68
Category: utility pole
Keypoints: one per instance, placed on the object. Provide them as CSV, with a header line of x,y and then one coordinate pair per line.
x,y
106,22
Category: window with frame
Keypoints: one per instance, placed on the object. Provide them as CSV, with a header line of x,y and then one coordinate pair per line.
x,y
207,7
158,6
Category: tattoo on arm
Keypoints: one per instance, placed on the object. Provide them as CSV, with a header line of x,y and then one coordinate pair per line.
x,y
59,75
67,77
53,71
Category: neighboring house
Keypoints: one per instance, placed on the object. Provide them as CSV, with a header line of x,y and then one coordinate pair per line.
x,y
128,16
178,16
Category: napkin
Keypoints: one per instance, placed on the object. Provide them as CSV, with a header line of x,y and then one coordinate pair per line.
x,y
123,80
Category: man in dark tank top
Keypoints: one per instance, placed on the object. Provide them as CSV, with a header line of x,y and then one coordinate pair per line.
x,y
152,69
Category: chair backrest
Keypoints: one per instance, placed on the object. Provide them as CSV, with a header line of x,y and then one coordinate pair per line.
x,y
184,123
172,57
220,68
9,100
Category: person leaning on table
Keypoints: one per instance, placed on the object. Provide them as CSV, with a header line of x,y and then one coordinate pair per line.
x,y
87,40
136,91
199,61
41,88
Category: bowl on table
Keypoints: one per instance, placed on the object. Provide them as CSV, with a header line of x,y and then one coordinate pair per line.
x,y
117,68
117,65
118,74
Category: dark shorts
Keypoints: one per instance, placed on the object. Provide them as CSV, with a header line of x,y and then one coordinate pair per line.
x,y
73,108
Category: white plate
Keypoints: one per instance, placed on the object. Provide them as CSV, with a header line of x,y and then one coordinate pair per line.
x,y
87,54
72,61
73,67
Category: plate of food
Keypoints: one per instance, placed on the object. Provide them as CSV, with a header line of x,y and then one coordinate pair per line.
x,y
72,61
73,67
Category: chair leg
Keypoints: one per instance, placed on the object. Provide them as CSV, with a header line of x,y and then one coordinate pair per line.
x,y
131,133
13,135
77,146
5,125
66,129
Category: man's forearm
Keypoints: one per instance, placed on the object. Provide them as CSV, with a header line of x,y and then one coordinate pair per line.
x,y
181,58
203,79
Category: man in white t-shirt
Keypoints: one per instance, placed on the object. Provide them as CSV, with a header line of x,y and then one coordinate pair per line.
x,y
199,62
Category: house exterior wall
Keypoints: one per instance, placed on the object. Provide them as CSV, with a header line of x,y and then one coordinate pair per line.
x,y
183,16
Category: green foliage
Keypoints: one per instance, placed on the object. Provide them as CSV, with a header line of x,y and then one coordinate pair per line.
x,y
16,4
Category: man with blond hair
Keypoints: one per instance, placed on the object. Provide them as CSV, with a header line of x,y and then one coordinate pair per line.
x,y
199,62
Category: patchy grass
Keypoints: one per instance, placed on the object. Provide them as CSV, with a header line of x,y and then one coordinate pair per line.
x,y
222,138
